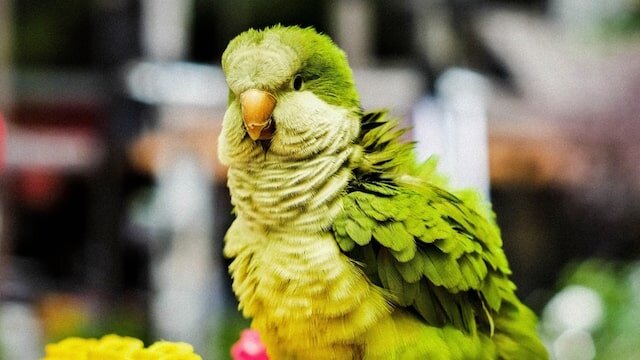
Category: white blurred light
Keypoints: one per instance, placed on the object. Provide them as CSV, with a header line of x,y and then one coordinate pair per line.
x,y
21,331
177,83
395,88
165,28
74,150
184,275
453,127
576,307
634,283
574,345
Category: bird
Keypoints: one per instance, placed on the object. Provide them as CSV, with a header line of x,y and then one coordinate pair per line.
x,y
344,245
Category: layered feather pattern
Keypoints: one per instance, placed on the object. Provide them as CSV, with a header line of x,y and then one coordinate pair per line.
x,y
345,247
437,253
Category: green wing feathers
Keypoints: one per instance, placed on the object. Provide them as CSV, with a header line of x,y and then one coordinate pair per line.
x,y
426,251
436,253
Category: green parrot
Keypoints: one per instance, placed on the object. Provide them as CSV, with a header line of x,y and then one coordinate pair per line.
x,y
344,246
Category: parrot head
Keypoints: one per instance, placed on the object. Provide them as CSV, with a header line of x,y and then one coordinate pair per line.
x,y
291,93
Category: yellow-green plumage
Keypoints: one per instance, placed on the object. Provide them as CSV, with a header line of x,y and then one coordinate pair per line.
x,y
344,247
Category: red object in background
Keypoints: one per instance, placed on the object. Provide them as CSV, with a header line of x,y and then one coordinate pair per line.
x,y
39,188
249,347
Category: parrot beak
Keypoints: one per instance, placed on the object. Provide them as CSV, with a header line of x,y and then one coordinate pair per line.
x,y
257,107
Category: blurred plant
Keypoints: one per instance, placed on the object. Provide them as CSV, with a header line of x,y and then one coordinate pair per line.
x,y
626,23
118,348
226,333
596,313
66,314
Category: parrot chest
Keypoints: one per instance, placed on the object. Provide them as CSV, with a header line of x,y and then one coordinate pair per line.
x,y
306,299
304,295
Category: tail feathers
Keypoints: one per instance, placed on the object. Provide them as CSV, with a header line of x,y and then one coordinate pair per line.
x,y
516,337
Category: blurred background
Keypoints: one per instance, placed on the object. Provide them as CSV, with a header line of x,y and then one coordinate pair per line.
x,y
113,206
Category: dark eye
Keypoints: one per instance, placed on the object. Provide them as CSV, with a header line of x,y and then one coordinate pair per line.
x,y
297,82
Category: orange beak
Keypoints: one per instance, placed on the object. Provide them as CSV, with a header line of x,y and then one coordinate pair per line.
x,y
257,107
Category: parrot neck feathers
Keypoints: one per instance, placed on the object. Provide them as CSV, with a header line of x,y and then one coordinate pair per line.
x,y
294,186
297,182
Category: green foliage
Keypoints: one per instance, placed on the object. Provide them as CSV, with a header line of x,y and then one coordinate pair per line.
x,y
624,24
228,331
118,320
617,285
52,33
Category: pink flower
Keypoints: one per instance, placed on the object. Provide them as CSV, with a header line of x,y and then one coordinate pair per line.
x,y
249,347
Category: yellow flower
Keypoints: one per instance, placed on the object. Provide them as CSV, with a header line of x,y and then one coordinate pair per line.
x,y
166,350
70,349
114,347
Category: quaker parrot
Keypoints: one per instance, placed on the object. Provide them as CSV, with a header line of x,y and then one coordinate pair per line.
x,y
344,246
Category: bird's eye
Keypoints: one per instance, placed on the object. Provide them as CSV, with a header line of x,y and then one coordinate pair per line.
x,y
297,82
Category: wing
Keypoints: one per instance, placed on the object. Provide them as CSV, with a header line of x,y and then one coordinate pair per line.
x,y
437,253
